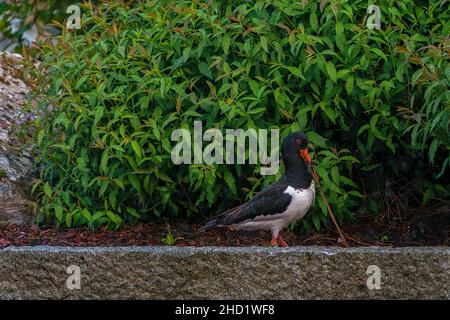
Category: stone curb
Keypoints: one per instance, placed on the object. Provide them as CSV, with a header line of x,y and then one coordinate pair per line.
x,y
44,272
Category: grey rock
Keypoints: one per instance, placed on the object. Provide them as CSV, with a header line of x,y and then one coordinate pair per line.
x,y
16,168
224,273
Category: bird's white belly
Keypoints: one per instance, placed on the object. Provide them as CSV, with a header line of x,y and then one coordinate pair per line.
x,y
300,203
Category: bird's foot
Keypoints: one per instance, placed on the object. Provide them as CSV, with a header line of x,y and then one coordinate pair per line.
x,y
281,242
274,242
278,242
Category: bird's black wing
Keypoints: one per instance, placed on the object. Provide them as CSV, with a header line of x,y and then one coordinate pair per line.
x,y
271,200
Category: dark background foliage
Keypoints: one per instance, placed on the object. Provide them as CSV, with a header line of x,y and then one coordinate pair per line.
x,y
373,102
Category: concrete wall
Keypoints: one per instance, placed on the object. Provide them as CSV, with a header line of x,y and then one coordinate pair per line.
x,y
224,273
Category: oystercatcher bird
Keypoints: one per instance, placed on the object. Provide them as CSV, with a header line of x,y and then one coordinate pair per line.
x,y
280,203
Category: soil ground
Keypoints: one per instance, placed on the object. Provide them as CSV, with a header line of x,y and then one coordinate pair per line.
x,y
429,227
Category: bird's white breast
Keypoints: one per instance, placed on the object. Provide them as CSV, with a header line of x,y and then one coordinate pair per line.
x,y
301,201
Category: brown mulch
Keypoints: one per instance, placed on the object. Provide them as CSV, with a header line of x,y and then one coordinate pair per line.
x,y
418,228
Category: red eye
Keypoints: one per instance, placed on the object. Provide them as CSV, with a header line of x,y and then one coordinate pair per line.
x,y
298,141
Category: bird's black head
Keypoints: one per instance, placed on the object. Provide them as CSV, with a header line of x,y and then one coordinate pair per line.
x,y
296,160
295,148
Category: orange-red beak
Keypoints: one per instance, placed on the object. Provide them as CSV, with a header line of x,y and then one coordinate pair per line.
x,y
304,154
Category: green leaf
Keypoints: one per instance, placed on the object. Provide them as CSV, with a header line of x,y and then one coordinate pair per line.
x,y
226,43
35,186
120,184
331,70
186,54
116,219
329,111
356,194
137,149
316,139
363,128
316,222
426,196
229,179
313,21
134,182
104,162
97,215
118,148
112,197
98,114
335,175
162,88
47,190
69,219
349,84
379,53
296,71
59,213
433,147
373,122
86,214
444,166
254,87
40,136
416,76
342,74
133,212
204,69
82,163
264,44
340,36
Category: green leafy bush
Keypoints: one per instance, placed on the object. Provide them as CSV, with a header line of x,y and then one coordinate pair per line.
x,y
135,72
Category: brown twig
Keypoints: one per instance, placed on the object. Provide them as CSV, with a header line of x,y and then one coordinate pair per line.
x,y
359,241
316,180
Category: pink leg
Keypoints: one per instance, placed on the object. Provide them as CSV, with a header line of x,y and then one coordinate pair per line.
x,y
274,241
281,242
